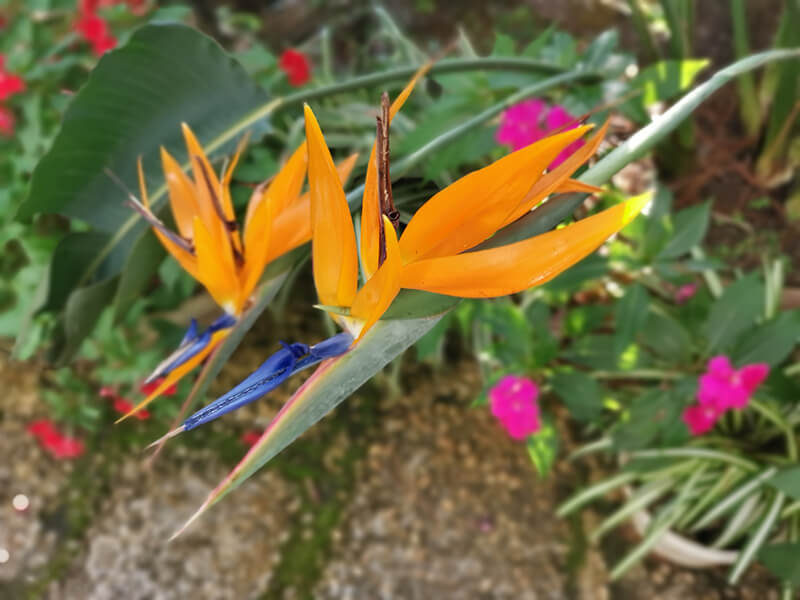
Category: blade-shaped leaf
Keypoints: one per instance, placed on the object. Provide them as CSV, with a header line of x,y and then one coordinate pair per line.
x,y
133,103
332,382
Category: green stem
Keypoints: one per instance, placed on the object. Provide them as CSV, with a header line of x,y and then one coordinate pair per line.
x,y
453,65
748,99
647,137
638,374
780,422
643,31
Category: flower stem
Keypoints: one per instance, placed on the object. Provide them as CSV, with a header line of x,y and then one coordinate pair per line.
x,y
638,374
453,65
780,422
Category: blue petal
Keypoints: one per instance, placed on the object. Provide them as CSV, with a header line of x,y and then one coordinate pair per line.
x,y
287,361
190,334
266,378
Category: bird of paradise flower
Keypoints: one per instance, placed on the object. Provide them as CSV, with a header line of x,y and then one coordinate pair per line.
x,y
210,245
436,251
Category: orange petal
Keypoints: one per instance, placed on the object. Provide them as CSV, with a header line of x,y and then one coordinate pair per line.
x,y
573,185
216,269
177,374
285,187
552,182
333,246
184,258
196,151
473,208
258,238
292,227
380,290
182,194
370,207
516,267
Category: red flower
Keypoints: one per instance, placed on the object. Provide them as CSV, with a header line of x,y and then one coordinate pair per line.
x,y
149,388
9,84
7,121
296,66
94,30
123,407
250,438
58,444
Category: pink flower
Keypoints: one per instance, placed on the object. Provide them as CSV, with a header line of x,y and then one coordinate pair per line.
x,y
296,66
149,388
9,84
685,292
531,120
700,419
250,438
58,444
514,402
7,121
123,407
722,388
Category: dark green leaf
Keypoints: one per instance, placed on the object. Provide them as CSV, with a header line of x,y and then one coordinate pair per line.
x,y
582,395
653,416
783,560
630,315
736,310
689,229
769,342
84,307
666,337
787,480
142,264
74,250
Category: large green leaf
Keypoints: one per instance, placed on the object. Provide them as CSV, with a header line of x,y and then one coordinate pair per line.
x,y
133,103
783,559
689,229
736,310
770,342
336,379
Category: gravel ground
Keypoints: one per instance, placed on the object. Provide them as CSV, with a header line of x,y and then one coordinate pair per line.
x,y
440,504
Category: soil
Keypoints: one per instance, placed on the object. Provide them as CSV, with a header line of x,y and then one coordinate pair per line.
x,y
409,496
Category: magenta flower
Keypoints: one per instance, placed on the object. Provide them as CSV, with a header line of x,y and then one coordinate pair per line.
x,y
722,388
685,292
531,120
700,419
513,401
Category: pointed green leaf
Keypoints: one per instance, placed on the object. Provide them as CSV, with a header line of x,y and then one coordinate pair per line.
x,y
736,310
630,315
783,560
769,342
581,394
787,480
689,229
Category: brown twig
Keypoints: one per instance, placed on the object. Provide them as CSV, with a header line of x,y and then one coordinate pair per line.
x,y
384,178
